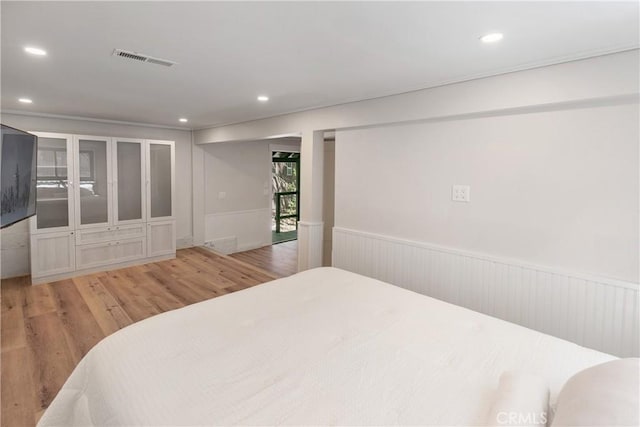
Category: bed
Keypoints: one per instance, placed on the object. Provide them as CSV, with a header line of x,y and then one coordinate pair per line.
x,y
322,347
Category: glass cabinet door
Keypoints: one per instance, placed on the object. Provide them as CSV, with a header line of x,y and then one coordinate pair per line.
x,y
54,182
93,179
160,171
129,181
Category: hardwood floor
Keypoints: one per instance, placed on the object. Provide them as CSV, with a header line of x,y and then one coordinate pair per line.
x,y
280,259
46,329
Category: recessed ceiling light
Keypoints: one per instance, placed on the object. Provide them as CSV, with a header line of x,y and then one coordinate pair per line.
x,y
183,120
263,98
35,51
25,100
491,38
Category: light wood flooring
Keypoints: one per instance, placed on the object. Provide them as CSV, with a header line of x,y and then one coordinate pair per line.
x,y
46,329
280,259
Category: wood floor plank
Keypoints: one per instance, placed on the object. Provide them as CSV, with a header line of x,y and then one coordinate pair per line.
x,y
80,328
211,271
194,282
47,328
39,301
230,268
104,307
154,292
176,267
280,259
181,291
51,360
16,388
128,296
12,318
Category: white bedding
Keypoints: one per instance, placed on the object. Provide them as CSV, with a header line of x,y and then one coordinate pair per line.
x,y
323,347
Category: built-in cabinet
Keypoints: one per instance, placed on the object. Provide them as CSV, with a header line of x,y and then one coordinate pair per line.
x,y
102,202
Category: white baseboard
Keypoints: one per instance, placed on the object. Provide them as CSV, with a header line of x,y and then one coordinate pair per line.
x,y
594,312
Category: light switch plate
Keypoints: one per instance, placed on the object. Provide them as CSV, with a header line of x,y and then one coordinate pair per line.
x,y
460,193
222,195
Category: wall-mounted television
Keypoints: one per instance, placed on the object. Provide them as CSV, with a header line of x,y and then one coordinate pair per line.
x,y
18,152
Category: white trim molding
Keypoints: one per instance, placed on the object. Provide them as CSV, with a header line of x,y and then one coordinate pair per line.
x,y
94,119
310,241
594,312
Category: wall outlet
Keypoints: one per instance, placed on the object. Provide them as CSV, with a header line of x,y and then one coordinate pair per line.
x,y
460,193
222,195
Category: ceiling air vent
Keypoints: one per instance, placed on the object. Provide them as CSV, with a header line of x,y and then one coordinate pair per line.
x,y
135,56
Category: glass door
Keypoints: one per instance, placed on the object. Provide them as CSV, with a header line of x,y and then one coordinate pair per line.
x,y
129,181
285,173
93,177
54,187
160,170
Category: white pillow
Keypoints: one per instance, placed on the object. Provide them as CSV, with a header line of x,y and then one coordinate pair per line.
x,y
603,395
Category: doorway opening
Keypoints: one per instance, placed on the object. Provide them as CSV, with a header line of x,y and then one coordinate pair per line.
x,y
285,205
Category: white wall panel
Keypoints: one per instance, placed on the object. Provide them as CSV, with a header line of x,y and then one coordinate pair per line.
x,y
310,255
557,188
591,311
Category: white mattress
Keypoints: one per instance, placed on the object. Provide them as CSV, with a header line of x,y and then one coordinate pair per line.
x,y
323,347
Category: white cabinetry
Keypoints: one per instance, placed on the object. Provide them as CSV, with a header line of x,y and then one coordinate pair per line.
x,y
102,203
53,253
54,185
161,238
119,232
106,253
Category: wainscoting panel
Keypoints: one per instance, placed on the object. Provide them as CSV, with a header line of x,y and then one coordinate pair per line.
x,y
310,240
248,229
594,312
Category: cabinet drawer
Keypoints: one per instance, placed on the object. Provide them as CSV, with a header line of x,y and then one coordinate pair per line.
x,y
106,234
98,254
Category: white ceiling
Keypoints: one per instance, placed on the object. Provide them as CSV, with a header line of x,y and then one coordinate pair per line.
x,y
303,55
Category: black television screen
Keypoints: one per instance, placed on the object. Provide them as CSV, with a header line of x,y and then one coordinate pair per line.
x,y
17,175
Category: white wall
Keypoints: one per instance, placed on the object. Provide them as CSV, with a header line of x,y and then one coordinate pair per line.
x,y
604,80
242,171
535,102
557,188
551,155
15,239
